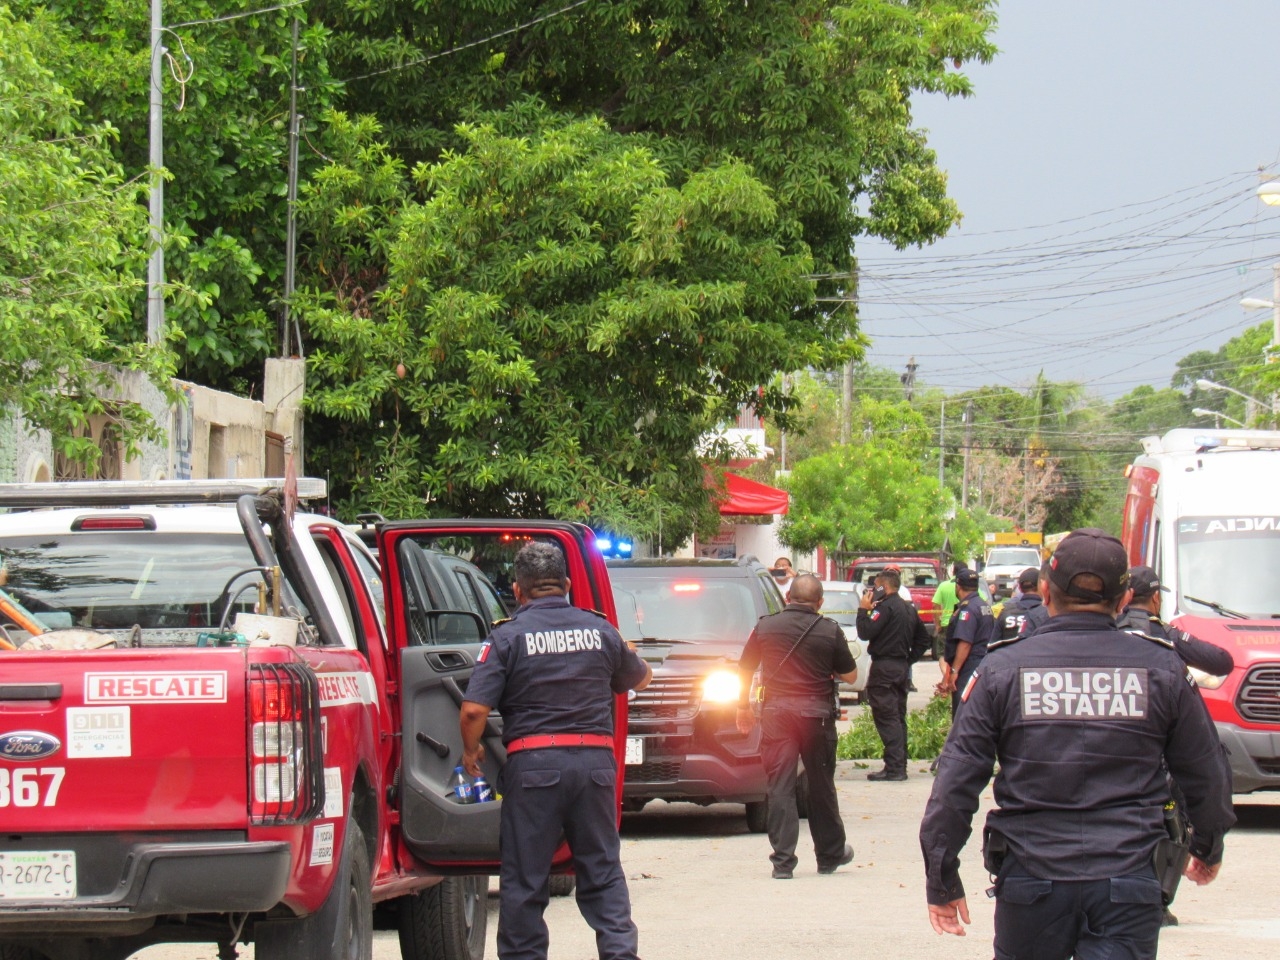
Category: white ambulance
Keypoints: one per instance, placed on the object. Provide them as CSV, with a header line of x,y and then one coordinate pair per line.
x,y
1203,510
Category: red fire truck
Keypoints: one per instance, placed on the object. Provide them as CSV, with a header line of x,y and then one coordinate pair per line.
x,y
223,721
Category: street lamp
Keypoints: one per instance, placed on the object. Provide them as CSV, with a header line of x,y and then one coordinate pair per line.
x,y
1253,404
1269,193
1217,416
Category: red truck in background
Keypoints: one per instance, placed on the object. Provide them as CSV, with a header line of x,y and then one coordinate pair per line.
x,y
1203,510
222,721
921,574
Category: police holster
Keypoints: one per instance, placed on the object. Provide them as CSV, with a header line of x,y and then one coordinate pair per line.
x,y
1172,852
994,849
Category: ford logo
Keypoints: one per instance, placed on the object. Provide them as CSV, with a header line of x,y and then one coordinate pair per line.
x,y
28,745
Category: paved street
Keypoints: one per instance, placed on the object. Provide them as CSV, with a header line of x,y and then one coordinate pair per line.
x,y
701,888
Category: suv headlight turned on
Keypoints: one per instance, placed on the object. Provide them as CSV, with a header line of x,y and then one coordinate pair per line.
x,y
690,620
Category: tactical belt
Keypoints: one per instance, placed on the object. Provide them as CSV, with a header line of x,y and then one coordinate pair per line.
x,y
543,740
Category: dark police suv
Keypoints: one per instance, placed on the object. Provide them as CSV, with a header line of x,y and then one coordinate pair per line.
x,y
690,620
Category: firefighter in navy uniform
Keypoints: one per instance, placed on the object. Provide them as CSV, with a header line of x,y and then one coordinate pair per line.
x,y
1142,615
1078,716
552,671
967,637
1024,614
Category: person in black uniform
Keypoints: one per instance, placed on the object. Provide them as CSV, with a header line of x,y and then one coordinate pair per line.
x,y
1023,614
552,671
798,652
967,636
1142,615
1079,716
895,640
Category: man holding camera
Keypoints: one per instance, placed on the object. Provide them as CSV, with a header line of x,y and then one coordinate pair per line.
x,y
895,640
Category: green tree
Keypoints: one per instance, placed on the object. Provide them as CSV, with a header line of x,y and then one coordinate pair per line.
x,y
72,238
226,100
568,323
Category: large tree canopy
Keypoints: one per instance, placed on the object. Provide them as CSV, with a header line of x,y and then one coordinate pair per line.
x,y
560,325
763,139
72,239
813,94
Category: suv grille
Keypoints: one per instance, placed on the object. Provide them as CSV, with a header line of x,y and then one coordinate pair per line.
x,y
1259,696
656,771
666,698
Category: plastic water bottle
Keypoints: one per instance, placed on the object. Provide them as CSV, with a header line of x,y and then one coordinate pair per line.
x,y
481,790
461,789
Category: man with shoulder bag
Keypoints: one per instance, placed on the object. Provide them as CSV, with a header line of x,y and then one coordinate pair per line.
x,y
799,653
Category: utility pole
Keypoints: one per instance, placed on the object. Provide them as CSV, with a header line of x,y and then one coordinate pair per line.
x,y
908,379
1272,354
155,266
968,441
846,391
942,446
291,234
1026,481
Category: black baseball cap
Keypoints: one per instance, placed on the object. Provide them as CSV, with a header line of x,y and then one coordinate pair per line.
x,y
967,578
1029,578
1093,551
1144,581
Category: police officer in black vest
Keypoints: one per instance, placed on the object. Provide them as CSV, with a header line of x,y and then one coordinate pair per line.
x,y
799,651
552,671
1079,716
967,636
895,640
1142,615
1024,614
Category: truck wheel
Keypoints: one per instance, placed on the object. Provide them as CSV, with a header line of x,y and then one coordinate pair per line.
x,y
758,816
342,929
445,922
562,884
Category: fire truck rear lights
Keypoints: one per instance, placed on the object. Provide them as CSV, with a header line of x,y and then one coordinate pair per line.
x,y
272,700
286,756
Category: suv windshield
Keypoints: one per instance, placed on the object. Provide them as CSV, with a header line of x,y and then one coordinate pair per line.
x,y
681,604
1230,561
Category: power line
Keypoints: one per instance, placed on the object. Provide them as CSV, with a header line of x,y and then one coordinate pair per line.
x,y
473,43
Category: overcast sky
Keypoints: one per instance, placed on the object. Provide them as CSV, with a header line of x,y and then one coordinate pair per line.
x,y
1106,167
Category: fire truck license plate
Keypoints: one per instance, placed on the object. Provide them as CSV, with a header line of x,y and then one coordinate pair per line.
x,y
37,875
635,751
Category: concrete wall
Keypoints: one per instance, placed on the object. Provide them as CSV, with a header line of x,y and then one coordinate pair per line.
x,y
206,433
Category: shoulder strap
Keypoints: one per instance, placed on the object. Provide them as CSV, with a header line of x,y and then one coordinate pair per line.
x,y
1163,641
816,618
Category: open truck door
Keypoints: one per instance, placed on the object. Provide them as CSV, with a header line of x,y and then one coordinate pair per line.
x,y
438,649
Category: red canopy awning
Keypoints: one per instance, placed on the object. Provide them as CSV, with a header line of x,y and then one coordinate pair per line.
x,y
748,498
